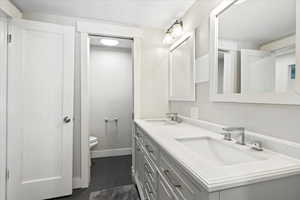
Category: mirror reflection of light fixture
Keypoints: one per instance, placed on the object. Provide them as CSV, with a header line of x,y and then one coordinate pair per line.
x,y
175,31
168,38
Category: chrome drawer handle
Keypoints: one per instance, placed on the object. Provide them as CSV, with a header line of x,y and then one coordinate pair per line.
x,y
149,149
168,175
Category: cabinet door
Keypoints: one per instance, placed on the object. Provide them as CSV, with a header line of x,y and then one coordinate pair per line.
x,y
163,192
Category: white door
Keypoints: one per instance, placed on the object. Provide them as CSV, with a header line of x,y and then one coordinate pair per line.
x,y
40,110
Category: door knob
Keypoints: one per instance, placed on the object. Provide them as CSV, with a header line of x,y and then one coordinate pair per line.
x,y
67,119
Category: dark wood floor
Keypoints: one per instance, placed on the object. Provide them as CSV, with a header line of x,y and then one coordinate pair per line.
x,y
105,173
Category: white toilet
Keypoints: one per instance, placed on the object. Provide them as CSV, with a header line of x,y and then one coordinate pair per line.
x,y
93,141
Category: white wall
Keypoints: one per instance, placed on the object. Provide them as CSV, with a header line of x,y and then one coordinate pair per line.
x,y
154,78
280,121
111,95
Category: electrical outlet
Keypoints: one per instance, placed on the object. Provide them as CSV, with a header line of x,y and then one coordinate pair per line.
x,y
194,112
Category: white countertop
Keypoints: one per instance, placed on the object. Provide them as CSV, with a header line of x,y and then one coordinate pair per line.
x,y
215,178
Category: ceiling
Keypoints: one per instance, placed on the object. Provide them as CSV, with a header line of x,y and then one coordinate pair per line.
x,y
141,13
259,21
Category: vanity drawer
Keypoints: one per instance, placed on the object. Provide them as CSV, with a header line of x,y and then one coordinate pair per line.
x,y
139,133
150,172
139,161
164,192
149,192
151,149
181,185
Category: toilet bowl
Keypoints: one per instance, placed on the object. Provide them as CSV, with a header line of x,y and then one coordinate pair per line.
x,y
93,141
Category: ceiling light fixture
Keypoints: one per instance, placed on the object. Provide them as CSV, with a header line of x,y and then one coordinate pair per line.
x,y
175,31
109,42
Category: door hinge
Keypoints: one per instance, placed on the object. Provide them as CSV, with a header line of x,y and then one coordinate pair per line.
x,y
9,38
7,174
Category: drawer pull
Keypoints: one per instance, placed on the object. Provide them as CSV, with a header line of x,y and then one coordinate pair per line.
x,y
149,149
168,175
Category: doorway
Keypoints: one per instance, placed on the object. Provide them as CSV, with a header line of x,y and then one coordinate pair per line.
x,y
110,96
106,99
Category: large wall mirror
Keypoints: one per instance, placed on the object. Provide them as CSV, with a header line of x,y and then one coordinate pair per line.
x,y
182,69
253,43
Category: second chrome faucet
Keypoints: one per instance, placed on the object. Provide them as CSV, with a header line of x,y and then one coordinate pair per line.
x,y
240,131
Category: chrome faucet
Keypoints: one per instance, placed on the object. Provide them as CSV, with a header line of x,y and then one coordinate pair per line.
x,y
173,117
257,145
235,130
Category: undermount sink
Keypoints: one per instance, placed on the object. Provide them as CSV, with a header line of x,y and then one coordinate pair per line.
x,y
161,121
218,153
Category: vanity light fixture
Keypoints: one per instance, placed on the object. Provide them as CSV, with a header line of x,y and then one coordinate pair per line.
x,y
175,31
109,42
168,38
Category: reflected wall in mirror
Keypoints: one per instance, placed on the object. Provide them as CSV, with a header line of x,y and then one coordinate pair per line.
x,y
254,43
182,69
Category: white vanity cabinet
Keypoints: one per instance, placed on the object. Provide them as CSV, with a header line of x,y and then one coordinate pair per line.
x,y
159,176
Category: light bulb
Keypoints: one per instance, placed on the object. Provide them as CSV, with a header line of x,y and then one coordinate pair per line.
x,y
168,38
177,29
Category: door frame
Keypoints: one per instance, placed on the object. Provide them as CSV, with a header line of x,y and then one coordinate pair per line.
x,y
3,106
103,29
7,11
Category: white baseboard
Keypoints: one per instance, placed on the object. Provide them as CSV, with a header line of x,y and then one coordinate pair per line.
x,y
111,153
76,182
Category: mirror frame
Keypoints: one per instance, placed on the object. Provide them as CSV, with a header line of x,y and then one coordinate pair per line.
x,y
186,36
289,98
